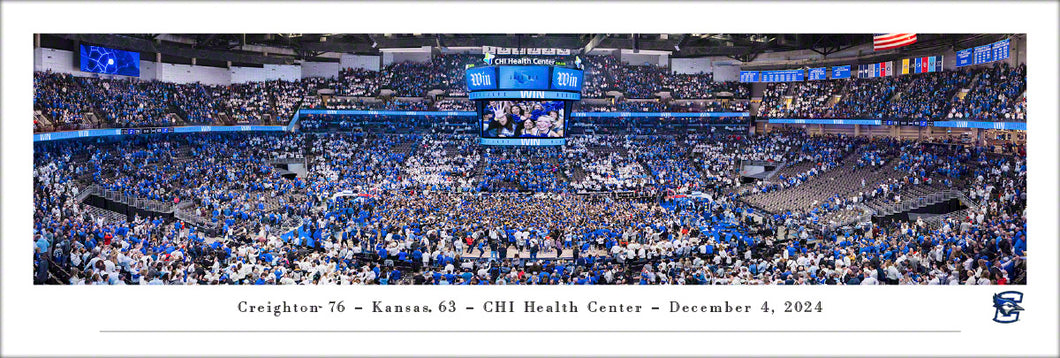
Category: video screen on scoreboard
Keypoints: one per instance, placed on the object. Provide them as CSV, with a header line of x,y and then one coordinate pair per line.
x,y
523,77
110,61
523,119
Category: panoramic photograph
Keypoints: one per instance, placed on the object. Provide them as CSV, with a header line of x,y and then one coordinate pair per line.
x,y
529,159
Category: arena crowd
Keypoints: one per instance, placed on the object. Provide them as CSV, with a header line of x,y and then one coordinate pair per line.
x,y
393,199
380,208
65,102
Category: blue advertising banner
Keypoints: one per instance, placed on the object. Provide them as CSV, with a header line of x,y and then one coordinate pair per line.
x,y
1018,126
557,95
817,74
481,78
749,76
871,122
783,76
566,79
1000,50
964,57
194,129
982,54
996,51
44,137
523,141
839,72
386,113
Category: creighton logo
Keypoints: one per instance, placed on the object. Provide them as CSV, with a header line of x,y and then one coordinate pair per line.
x,y
1007,305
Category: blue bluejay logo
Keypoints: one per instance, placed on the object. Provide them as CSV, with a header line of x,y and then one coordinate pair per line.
x,y
1007,306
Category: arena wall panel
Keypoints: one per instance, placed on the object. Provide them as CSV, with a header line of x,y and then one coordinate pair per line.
x,y
726,72
876,131
692,65
421,55
148,71
320,69
282,72
909,132
267,73
639,59
37,59
246,74
839,129
802,55
1019,51
177,73
61,61
370,63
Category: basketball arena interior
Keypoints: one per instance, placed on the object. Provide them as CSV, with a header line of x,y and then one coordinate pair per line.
x,y
529,159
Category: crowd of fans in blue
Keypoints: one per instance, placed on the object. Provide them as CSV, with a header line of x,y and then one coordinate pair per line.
x,y
386,199
996,95
430,207
992,93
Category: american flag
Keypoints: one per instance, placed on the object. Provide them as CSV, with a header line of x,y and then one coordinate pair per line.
x,y
889,41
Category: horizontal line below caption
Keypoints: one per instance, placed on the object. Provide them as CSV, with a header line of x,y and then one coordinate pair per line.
x,y
529,331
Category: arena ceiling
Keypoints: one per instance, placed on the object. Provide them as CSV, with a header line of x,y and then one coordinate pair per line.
x,y
287,48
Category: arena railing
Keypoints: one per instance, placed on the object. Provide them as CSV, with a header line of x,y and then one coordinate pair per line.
x,y
923,201
180,212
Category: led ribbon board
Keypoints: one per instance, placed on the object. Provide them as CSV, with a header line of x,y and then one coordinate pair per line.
x,y
553,95
87,133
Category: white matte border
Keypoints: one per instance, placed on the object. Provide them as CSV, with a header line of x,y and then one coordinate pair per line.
x,y
67,320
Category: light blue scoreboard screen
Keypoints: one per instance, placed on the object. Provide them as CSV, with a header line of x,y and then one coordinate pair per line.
x,y
537,78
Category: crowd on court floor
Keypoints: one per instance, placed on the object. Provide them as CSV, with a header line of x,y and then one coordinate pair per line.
x,y
375,208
